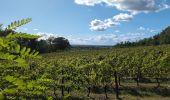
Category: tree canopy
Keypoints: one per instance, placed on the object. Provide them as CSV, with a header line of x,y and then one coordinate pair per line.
x,y
52,44
159,39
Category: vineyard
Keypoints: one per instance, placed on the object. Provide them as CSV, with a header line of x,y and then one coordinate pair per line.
x,y
102,70
102,74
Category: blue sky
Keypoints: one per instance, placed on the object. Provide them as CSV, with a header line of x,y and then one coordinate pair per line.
x,y
94,22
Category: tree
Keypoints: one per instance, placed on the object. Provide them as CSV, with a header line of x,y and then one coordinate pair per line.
x,y
50,41
43,46
60,43
159,39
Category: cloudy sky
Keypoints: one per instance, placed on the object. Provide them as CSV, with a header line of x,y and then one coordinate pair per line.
x,y
92,22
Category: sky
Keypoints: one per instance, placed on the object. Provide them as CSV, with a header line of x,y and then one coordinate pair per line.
x,y
89,22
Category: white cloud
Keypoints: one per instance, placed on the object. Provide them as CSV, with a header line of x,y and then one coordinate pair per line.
x,y
147,30
108,39
105,37
17,29
138,6
123,17
130,37
35,29
25,29
98,25
141,28
152,30
45,35
88,2
117,31
133,6
79,41
4,27
129,6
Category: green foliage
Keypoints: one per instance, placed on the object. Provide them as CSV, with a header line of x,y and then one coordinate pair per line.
x,y
21,35
18,23
13,64
52,44
159,39
85,70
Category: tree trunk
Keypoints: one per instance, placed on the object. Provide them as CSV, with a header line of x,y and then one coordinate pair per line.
x,y
50,47
137,80
138,76
119,80
62,91
116,86
157,80
105,90
54,89
68,90
89,90
62,87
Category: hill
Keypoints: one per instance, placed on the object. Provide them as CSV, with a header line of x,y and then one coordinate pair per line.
x,y
159,39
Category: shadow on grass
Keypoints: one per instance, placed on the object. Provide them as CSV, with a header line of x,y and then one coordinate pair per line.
x,y
145,91
129,90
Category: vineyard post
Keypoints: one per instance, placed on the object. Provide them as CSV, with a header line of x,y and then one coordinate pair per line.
x,y
62,87
116,85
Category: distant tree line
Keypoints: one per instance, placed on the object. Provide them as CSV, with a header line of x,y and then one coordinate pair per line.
x,y
159,39
52,44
